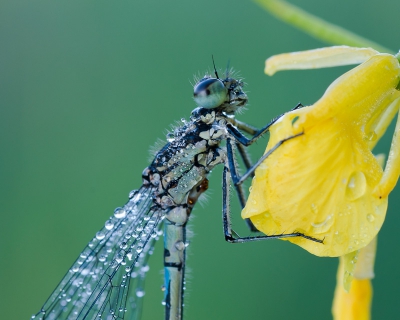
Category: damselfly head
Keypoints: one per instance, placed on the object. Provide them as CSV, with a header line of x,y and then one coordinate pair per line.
x,y
210,93
226,95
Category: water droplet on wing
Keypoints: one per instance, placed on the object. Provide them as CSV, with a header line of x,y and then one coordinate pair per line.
x,y
100,235
119,213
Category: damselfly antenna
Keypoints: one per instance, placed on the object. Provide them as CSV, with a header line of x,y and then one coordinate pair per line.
x,y
215,69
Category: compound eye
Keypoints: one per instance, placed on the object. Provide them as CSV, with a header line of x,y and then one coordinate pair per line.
x,y
210,93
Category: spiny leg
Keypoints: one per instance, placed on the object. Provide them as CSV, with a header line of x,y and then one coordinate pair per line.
x,y
230,235
246,159
239,188
231,161
234,125
244,155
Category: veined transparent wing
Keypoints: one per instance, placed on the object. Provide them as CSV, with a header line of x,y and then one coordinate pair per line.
x,y
106,280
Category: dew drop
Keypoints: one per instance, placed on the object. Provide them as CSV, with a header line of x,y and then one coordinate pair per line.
x,y
294,120
132,194
109,225
139,293
371,136
123,245
145,268
100,235
356,186
170,137
119,213
370,217
314,208
119,258
180,245
75,268
322,227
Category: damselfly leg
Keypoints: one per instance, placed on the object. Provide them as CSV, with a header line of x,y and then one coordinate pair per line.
x,y
230,172
241,147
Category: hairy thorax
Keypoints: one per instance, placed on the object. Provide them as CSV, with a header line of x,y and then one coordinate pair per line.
x,y
183,163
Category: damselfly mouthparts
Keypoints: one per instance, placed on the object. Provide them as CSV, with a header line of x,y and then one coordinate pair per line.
x,y
106,280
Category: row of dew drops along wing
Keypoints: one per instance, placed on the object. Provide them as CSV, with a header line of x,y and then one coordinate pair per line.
x,y
97,285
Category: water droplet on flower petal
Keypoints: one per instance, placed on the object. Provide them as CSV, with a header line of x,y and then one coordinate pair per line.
x,y
356,185
324,226
371,136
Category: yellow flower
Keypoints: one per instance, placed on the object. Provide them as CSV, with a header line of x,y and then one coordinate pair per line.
x,y
356,303
326,183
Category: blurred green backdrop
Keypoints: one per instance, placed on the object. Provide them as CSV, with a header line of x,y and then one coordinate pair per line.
x,y
88,86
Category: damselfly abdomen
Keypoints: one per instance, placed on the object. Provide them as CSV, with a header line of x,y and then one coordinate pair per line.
x,y
106,280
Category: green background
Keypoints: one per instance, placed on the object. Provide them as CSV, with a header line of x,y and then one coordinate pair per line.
x,y
86,88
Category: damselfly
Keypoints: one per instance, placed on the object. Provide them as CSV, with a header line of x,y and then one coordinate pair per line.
x,y
106,281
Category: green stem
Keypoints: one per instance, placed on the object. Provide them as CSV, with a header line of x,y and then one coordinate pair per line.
x,y
317,27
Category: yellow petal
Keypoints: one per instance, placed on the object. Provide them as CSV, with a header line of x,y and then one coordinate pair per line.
x,y
355,302
349,262
354,305
318,58
321,183
380,126
365,261
392,169
362,94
